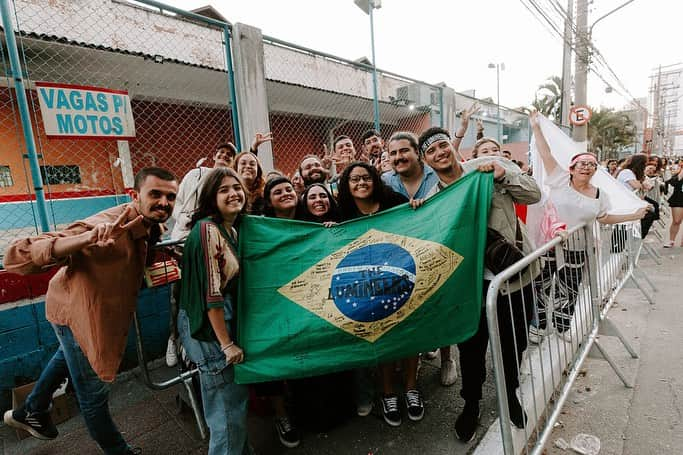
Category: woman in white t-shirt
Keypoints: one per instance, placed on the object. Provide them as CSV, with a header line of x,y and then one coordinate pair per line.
x,y
577,201
632,176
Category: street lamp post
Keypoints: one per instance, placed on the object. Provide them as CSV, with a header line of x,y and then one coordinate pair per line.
x,y
368,6
499,67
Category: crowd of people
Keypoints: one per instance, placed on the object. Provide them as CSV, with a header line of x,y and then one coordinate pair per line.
x,y
90,301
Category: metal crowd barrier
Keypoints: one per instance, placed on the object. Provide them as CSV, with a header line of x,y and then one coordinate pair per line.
x,y
185,376
578,283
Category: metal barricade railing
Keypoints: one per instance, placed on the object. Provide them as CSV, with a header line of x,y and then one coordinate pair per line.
x,y
578,283
185,376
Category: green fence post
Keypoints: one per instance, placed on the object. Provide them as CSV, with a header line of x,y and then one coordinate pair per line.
x,y
24,113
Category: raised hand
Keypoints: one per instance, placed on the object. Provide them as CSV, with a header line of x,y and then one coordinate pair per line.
x,y
467,113
106,234
260,138
533,119
326,159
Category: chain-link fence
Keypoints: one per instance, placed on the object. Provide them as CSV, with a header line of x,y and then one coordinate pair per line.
x,y
315,97
172,68
509,127
173,65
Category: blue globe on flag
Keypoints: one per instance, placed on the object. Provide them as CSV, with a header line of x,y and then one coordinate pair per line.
x,y
373,282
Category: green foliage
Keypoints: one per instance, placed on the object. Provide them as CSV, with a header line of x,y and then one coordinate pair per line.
x,y
548,99
609,132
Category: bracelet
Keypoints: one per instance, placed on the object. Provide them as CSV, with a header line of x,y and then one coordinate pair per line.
x,y
225,348
458,137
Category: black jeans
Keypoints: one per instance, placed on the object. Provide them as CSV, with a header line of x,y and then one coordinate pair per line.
x,y
649,218
558,289
514,327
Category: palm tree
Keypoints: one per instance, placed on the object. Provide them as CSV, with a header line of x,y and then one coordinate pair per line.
x,y
609,132
548,100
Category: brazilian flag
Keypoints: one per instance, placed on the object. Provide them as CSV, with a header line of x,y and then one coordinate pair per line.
x,y
313,300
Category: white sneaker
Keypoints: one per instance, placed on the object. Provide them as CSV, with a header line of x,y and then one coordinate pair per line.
x,y
536,335
364,409
171,354
668,244
449,373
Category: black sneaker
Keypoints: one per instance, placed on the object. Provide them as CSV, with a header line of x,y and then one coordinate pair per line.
x,y
390,411
416,408
134,451
287,432
38,424
517,415
468,420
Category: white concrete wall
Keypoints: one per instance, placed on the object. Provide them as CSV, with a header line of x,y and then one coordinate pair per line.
x,y
123,26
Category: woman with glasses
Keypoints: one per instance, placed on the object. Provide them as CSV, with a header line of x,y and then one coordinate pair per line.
x,y
577,201
361,192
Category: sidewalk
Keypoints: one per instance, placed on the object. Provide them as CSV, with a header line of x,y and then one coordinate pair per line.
x,y
647,418
152,421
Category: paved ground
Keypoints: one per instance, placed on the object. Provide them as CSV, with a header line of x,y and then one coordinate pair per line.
x,y
151,420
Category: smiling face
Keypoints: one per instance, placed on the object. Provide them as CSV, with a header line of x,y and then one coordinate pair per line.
x,y
583,170
155,199
488,149
317,201
247,167
223,157
403,156
360,183
283,198
312,171
373,146
440,156
344,151
230,198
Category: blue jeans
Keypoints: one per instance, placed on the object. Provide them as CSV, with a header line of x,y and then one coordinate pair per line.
x,y
224,402
91,392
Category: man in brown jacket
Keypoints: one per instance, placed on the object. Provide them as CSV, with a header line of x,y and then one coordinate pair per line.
x,y
90,303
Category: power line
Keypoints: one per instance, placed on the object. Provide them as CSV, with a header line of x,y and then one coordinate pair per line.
x,y
544,17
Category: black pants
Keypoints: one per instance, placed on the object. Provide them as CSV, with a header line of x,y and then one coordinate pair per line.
x,y
649,218
513,327
558,289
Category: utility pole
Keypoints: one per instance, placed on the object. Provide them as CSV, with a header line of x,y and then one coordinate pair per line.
x,y
657,127
566,65
581,59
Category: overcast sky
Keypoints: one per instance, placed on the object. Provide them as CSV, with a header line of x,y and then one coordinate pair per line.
x,y
454,40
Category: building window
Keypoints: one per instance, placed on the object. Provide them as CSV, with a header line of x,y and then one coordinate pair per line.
x,y
60,175
5,177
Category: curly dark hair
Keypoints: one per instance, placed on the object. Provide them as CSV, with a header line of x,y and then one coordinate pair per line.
x,y
347,204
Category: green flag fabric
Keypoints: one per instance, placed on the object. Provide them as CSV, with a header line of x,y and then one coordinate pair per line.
x,y
313,300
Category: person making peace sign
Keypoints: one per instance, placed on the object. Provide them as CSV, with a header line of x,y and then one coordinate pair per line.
x,y
90,303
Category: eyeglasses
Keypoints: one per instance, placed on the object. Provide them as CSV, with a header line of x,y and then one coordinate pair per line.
x,y
587,164
357,178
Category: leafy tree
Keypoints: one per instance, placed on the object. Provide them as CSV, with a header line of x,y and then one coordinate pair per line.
x,y
548,99
609,132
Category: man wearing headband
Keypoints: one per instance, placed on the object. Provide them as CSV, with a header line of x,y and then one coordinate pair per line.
x,y
410,177
511,186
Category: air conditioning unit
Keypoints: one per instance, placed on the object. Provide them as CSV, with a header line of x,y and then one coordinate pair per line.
x,y
418,94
